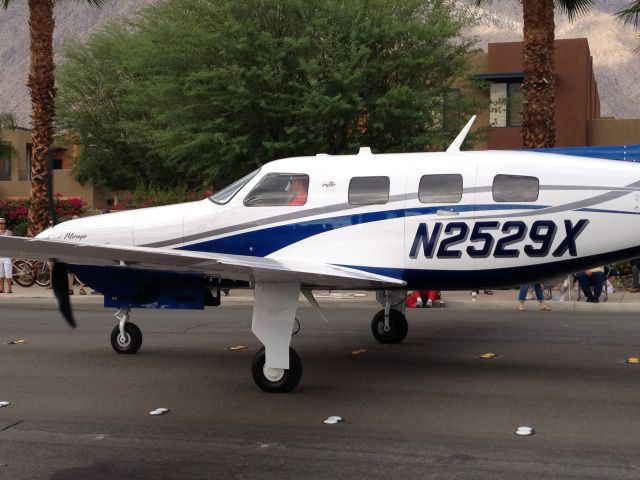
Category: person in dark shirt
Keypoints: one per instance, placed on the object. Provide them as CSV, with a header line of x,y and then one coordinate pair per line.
x,y
635,275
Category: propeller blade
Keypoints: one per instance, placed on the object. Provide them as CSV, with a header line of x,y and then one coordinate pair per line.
x,y
60,283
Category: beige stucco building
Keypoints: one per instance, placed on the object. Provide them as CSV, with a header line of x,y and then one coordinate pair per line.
x,y
15,172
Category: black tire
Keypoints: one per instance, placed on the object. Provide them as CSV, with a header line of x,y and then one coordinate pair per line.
x,y
289,380
23,273
133,339
43,273
398,327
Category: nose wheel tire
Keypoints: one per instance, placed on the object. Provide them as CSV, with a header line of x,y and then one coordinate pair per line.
x,y
275,380
397,330
130,343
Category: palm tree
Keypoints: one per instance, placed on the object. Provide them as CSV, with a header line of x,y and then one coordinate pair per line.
x,y
42,88
538,64
631,14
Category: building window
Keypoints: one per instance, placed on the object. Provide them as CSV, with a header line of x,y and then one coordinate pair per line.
x,y
506,104
515,188
369,190
5,166
446,188
25,173
278,190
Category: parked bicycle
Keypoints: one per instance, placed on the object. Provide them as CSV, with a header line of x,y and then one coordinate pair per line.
x,y
26,273
43,273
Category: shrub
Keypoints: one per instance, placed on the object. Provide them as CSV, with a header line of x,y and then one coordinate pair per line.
x,y
16,211
153,197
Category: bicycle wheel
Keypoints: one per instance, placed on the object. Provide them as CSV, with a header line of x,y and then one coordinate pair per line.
x,y
43,274
23,273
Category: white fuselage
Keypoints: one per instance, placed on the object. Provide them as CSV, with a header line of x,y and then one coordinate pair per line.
x,y
585,212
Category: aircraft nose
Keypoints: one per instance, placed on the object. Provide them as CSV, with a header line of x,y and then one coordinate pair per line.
x,y
45,233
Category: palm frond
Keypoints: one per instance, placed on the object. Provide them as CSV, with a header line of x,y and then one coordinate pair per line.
x,y
7,121
574,8
631,14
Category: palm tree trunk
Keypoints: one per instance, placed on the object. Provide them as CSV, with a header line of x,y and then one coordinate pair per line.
x,y
538,123
41,85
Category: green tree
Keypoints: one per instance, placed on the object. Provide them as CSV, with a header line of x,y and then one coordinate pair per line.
x,y
7,122
41,86
538,63
200,92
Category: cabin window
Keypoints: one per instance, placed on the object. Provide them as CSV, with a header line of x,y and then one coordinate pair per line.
x,y
515,188
279,190
369,190
445,188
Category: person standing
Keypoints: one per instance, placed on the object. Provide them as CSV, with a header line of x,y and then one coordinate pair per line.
x,y
635,275
537,288
6,265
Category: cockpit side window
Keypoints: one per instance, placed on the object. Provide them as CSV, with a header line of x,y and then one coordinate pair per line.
x,y
279,190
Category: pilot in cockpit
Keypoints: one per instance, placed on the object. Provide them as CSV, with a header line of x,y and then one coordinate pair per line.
x,y
299,186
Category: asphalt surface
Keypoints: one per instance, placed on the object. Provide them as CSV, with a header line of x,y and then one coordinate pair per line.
x,y
427,408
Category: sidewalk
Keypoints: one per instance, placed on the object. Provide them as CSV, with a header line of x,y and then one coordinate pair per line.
x,y
460,300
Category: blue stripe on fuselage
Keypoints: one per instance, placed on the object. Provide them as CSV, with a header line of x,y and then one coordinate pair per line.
x,y
498,277
263,242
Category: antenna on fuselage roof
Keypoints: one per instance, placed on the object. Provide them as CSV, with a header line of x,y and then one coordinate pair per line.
x,y
457,143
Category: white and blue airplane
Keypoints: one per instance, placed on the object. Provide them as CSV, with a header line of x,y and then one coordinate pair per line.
x,y
383,222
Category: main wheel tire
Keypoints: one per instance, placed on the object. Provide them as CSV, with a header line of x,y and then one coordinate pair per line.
x,y
132,339
398,327
289,380
23,273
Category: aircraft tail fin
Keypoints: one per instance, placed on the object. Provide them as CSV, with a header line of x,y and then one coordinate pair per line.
x,y
457,143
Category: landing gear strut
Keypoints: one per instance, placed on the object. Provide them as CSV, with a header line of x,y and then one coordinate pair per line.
x,y
126,337
276,367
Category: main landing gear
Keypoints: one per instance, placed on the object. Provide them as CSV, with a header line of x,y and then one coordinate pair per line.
x,y
390,325
276,367
126,337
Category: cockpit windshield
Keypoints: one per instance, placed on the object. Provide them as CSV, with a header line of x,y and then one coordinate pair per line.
x,y
223,196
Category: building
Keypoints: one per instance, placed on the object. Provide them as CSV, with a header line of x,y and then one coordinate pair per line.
x,y
15,172
577,113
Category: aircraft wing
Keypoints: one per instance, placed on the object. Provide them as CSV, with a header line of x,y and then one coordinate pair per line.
x,y
232,267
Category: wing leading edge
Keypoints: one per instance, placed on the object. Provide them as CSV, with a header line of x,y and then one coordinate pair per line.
x,y
233,267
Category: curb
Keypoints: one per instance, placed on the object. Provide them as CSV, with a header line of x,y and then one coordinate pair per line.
x,y
348,298
531,306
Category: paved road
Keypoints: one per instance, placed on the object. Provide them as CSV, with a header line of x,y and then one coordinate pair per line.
x,y
429,408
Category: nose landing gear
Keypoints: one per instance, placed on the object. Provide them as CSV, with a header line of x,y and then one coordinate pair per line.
x,y
126,337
